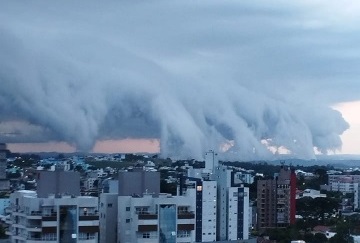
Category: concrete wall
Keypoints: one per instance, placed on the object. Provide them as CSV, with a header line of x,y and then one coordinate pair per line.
x,y
58,182
108,217
138,182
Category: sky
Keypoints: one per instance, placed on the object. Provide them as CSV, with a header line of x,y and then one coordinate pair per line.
x,y
251,79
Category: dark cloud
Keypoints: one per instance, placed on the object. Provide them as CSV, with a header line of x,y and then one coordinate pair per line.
x,y
196,75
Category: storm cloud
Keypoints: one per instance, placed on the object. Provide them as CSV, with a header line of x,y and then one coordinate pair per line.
x,y
251,76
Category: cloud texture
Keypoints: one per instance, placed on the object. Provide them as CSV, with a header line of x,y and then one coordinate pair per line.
x,y
198,75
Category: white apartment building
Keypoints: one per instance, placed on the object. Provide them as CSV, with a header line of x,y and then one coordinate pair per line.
x,y
344,178
150,218
232,207
90,184
344,187
204,197
310,193
241,177
53,219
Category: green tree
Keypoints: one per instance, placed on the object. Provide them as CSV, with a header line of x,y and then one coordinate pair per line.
x,y
319,238
341,238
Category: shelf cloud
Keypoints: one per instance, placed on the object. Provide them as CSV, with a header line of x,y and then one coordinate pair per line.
x,y
248,76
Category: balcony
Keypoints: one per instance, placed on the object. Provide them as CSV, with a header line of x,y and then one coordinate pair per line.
x,y
147,228
34,228
147,216
49,218
36,239
34,215
186,215
88,217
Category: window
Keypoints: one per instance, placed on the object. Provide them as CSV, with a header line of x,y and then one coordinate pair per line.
x,y
183,233
199,188
127,221
127,209
142,210
146,235
109,205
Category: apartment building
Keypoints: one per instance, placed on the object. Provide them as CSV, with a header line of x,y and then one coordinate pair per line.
x,y
4,182
276,199
204,197
108,212
232,200
150,218
232,206
131,184
52,219
344,178
344,187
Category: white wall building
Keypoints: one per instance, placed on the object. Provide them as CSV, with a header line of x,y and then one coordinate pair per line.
x,y
204,197
150,219
211,161
344,178
344,187
241,177
232,207
61,219
310,193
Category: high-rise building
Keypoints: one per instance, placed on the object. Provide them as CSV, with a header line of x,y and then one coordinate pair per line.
x,y
53,219
58,182
203,194
108,213
150,218
138,182
211,161
232,206
4,183
132,184
276,200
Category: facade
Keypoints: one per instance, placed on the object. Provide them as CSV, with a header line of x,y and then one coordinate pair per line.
x,y
4,183
58,182
232,206
203,194
344,178
145,182
108,212
162,218
53,219
344,187
241,177
309,193
344,183
276,200
211,160
110,186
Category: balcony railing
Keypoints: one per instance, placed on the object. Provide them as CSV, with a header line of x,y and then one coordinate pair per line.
x,y
41,239
148,216
34,213
33,225
186,215
49,218
88,217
